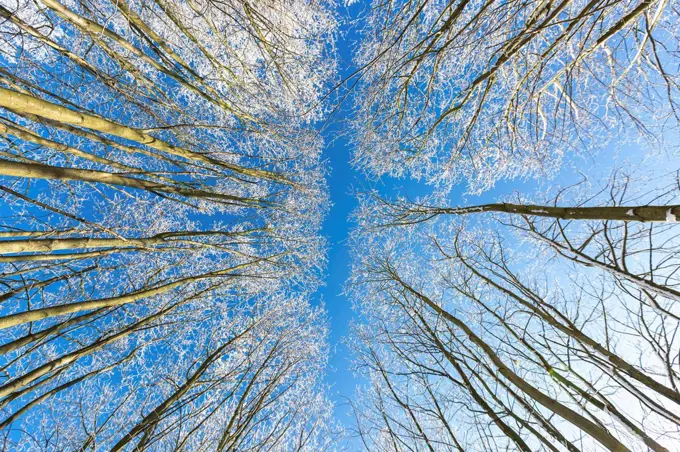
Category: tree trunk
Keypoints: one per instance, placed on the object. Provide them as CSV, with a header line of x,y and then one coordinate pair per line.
x,y
628,213
50,245
70,308
40,171
21,103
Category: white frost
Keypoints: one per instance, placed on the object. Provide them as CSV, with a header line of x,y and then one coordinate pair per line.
x,y
670,217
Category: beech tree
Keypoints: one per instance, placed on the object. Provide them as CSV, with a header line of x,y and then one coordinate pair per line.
x,y
520,332
161,190
378,212
251,383
127,124
478,91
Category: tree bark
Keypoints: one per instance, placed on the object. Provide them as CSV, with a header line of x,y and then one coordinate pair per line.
x,y
70,308
40,171
50,245
21,103
627,213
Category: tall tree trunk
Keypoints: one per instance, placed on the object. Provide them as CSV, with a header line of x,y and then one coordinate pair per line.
x,y
599,434
40,171
70,308
50,245
21,103
626,213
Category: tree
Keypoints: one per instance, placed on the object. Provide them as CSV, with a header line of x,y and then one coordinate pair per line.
x,y
478,91
378,212
558,337
160,179
146,109
252,382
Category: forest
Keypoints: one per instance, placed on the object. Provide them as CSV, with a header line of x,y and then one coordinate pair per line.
x,y
174,177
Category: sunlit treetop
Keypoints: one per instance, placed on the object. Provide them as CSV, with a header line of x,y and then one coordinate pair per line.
x,y
480,91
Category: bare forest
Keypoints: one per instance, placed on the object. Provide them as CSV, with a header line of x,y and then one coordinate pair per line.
x,y
171,221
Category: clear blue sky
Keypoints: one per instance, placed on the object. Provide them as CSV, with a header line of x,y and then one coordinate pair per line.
x,y
343,181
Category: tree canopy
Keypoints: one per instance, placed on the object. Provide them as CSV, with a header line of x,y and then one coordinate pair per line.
x,y
164,198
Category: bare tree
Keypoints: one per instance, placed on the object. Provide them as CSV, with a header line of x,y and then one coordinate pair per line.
x,y
253,382
161,187
480,91
520,332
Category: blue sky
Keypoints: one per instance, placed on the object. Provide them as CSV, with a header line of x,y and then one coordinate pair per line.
x,y
342,179
343,182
